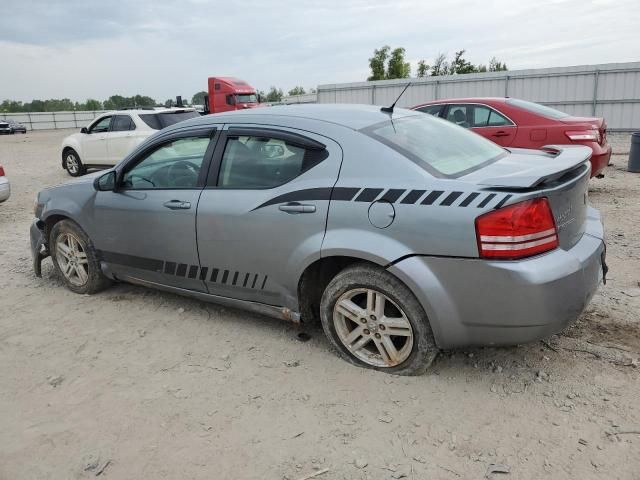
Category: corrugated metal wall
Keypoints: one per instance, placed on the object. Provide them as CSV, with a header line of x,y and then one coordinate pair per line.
x,y
52,120
610,90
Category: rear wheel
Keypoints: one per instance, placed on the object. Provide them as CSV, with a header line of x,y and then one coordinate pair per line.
x,y
72,163
374,321
75,260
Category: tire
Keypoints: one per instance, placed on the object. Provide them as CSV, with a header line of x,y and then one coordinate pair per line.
x,y
81,256
72,163
401,311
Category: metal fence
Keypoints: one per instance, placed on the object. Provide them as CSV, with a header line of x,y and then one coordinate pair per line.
x,y
52,120
609,90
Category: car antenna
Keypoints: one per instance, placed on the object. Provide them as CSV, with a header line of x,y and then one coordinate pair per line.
x,y
390,109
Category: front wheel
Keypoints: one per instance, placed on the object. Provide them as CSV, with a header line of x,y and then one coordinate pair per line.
x,y
75,259
72,163
374,321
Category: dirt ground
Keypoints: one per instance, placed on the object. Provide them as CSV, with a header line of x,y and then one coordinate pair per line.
x,y
138,384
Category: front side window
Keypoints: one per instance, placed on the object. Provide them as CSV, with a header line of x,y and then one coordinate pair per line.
x,y
460,115
122,123
175,164
261,162
101,125
436,145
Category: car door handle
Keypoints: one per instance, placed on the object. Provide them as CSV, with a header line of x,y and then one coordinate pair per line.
x,y
177,205
501,134
295,207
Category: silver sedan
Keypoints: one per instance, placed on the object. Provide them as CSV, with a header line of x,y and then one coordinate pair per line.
x,y
400,232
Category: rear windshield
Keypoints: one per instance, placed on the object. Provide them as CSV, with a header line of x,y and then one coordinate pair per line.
x,y
442,148
158,121
537,108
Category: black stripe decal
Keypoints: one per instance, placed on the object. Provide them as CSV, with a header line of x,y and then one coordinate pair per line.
x,y
264,282
235,278
502,202
344,193
484,202
432,197
214,275
182,270
306,194
392,194
246,279
452,197
132,261
255,279
193,271
170,268
369,194
203,273
470,198
225,275
413,196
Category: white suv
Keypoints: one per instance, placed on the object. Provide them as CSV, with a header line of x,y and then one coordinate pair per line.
x,y
111,136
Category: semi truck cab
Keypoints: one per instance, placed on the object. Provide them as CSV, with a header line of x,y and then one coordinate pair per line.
x,y
228,93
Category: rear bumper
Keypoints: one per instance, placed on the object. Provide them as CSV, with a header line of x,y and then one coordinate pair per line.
x,y
5,189
479,302
600,158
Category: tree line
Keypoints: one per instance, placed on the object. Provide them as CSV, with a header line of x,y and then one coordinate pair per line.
x,y
387,64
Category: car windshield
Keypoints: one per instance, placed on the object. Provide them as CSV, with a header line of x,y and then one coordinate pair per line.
x,y
158,121
442,148
246,98
537,108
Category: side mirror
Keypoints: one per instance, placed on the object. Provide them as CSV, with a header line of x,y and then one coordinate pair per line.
x,y
106,182
84,130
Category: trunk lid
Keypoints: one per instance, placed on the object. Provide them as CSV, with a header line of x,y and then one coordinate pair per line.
x,y
559,172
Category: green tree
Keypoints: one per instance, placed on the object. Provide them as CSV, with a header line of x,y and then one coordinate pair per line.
x,y
440,66
92,104
274,95
460,65
496,66
423,69
198,98
397,67
169,103
297,91
378,62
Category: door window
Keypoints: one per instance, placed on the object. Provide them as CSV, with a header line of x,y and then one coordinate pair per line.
x,y
263,162
122,123
432,109
175,164
480,116
101,125
498,120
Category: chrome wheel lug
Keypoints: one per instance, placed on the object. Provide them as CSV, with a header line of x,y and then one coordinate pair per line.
x,y
372,317
377,335
363,320
381,327
366,331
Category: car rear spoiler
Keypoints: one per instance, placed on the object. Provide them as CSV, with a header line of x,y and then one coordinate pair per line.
x,y
565,158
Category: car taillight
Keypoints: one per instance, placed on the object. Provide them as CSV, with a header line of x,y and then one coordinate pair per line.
x,y
584,135
517,231
1,171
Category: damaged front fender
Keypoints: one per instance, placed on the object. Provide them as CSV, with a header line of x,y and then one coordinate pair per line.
x,y
39,248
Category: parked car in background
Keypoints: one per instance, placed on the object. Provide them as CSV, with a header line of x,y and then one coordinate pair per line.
x,y
17,127
401,233
5,128
111,136
511,122
5,186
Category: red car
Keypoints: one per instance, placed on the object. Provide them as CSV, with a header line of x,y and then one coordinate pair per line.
x,y
512,122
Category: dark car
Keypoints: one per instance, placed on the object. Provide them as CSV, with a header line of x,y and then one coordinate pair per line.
x,y
515,123
4,127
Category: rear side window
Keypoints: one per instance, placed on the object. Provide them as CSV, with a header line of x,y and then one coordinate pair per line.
x,y
537,108
122,123
436,145
431,109
487,117
255,162
158,121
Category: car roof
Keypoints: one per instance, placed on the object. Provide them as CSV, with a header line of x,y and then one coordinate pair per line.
x,y
352,116
464,100
147,111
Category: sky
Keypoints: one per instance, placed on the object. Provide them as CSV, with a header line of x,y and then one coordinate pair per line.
x,y
82,49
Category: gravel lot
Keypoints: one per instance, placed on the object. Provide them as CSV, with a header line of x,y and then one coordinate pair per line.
x,y
133,383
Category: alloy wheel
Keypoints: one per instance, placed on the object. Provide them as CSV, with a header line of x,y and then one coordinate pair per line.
x,y
72,259
373,328
72,163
